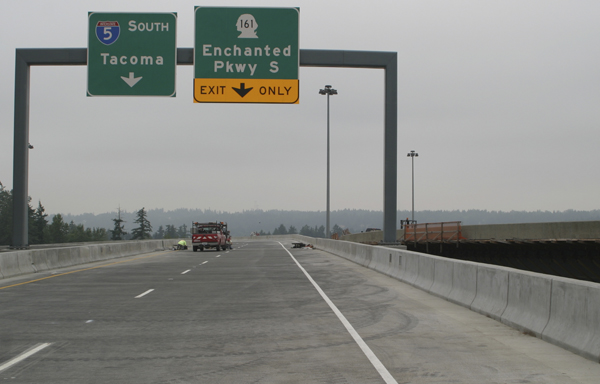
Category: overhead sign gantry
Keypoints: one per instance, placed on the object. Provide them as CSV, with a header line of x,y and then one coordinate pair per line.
x,y
123,69
246,55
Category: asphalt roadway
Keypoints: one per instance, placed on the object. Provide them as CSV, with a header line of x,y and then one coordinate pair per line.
x,y
260,313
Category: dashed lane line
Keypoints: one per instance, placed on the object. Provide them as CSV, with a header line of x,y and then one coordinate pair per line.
x,y
144,294
23,356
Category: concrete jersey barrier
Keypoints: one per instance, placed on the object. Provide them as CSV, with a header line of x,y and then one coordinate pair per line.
x,y
24,262
574,320
492,291
528,307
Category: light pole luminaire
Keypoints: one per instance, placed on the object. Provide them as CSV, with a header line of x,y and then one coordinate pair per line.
x,y
327,91
412,155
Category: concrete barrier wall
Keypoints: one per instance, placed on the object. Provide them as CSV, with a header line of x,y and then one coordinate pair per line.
x,y
464,283
37,260
492,291
411,267
25,263
370,237
528,307
426,273
397,266
365,237
443,277
574,322
556,230
565,312
9,265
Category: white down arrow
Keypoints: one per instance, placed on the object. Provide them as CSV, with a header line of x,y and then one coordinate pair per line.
x,y
131,81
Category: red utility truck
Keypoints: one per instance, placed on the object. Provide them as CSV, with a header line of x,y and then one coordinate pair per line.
x,y
210,235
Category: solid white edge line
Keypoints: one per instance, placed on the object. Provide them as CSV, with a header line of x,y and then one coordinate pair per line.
x,y
385,374
144,294
23,356
184,272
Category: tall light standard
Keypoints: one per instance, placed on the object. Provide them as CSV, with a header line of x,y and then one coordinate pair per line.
x,y
327,91
412,155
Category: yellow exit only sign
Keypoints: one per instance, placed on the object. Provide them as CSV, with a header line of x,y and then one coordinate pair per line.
x,y
276,91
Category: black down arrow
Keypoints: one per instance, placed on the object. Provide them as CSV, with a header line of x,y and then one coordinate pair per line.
x,y
242,91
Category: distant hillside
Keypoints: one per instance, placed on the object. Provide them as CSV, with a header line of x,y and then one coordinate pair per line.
x,y
243,223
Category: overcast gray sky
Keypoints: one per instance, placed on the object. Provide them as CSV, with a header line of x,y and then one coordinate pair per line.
x,y
501,99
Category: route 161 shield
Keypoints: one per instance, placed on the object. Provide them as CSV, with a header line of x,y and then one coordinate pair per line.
x,y
107,31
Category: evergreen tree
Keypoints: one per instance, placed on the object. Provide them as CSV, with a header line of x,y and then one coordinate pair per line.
x,y
337,229
58,230
37,225
35,219
160,233
30,227
292,230
144,231
281,230
118,233
320,232
99,234
306,231
183,231
78,234
5,216
72,228
170,232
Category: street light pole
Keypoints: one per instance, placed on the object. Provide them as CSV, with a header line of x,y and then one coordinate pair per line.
x,y
327,91
412,155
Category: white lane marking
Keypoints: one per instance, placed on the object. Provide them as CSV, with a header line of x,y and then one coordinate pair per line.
x,y
89,321
205,262
23,356
184,272
218,256
144,294
385,374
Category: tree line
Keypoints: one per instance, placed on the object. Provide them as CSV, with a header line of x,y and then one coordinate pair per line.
x,y
41,231
125,226
306,230
354,220
57,231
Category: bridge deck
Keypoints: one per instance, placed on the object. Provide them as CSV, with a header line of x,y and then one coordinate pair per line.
x,y
252,315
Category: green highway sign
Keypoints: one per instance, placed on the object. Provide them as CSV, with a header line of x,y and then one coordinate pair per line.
x,y
246,55
132,54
